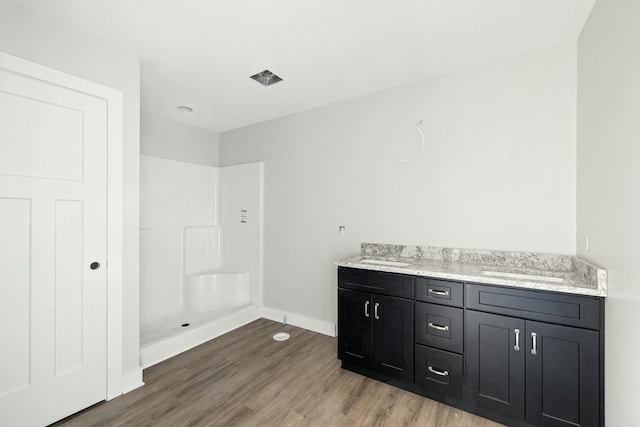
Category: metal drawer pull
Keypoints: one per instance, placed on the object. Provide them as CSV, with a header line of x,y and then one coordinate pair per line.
x,y
534,345
375,311
439,292
516,347
438,327
437,372
366,309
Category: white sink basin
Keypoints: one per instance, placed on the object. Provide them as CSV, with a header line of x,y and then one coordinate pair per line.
x,y
523,276
382,262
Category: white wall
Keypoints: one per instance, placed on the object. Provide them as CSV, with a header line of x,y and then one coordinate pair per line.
x,y
241,189
169,139
608,205
173,195
498,172
42,40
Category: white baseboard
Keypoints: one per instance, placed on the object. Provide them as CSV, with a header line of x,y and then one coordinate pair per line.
x,y
319,326
132,380
172,346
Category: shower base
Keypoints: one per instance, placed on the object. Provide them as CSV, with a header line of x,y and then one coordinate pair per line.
x,y
166,338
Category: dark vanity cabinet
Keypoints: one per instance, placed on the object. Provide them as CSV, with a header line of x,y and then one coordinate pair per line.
x,y
521,357
355,339
495,363
556,366
375,324
439,338
562,384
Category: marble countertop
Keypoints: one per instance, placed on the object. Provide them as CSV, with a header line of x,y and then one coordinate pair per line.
x,y
549,272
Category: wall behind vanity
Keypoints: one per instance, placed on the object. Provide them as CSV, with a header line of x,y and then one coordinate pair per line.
x,y
498,172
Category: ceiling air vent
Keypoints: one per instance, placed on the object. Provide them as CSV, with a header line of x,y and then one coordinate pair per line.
x,y
266,78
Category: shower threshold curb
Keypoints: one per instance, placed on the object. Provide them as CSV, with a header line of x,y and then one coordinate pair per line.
x,y
159,351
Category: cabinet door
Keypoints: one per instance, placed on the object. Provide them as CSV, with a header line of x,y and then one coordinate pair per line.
x,y
495,362
354,334
562,375
393,337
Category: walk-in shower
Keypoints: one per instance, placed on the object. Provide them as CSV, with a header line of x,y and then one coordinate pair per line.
x,y
200,252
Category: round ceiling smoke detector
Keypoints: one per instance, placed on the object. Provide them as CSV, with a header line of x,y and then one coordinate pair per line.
x,y
185,109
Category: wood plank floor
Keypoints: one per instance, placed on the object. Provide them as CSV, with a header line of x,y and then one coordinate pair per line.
x,y
244,378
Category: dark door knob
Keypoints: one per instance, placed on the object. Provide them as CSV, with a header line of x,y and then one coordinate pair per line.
x,y
95,265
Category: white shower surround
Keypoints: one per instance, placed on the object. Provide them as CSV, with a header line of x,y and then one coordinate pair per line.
x,y
216,290
207,204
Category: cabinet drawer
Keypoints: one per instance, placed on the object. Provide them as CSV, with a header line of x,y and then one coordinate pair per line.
x,y
439,291
439,371
377,282
439,326
571,310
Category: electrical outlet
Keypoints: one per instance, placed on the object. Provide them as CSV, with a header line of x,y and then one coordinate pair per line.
x,y
341,229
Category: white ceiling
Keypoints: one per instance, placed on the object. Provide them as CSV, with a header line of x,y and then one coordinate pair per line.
x,y
201,52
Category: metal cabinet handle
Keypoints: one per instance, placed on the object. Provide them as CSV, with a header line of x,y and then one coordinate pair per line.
x,y
438,372
439,292
366,309
516,346
375,311
534,344
438,327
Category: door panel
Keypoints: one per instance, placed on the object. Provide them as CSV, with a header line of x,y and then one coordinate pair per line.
x,y
68,286
354,335
495,370
53,223
562,376
393,336
15,290
58,129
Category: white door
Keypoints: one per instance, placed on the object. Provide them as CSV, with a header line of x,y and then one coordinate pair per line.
x,y
53,226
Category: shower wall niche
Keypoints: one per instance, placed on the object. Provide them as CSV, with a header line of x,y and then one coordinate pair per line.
x,y
200,252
